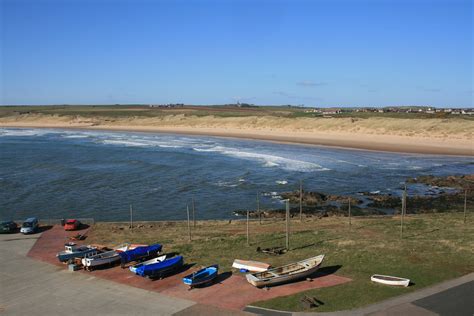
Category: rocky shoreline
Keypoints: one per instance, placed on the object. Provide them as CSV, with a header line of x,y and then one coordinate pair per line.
x,y
446,194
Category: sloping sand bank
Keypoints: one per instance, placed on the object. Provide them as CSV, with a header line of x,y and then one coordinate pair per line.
x,y
427,136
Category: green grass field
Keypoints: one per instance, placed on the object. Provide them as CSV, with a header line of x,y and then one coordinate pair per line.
x,y
124,111
435,247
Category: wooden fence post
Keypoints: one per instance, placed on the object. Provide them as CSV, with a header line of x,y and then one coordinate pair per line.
x,y
288,224
404,205
194,217
131,217
189,224
465,205
258,208
248,239
350,218
301,200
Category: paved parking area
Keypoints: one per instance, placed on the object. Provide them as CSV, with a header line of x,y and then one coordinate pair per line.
x,y
31,287
230,292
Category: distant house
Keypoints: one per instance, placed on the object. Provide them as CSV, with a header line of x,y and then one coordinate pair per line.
x,y
331,111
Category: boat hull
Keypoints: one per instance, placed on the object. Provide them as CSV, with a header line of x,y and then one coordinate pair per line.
x,y
390,280
64,257
254,266
100,259
202,276
274,276
160,269
148,262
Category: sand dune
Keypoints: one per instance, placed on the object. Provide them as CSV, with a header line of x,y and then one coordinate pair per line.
x,y
433,136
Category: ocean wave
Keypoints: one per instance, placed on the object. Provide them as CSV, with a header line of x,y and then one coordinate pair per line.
x,y
268,160
75,136
23,132
136,142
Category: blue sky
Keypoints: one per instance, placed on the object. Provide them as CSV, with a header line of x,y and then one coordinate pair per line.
x,y
317,53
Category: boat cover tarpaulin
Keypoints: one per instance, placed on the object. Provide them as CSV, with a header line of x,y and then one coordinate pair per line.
x,y
139,252
156,268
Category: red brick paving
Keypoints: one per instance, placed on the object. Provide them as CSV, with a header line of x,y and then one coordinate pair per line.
x,y
233,292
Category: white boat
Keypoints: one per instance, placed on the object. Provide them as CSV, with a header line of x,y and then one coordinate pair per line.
x,y
107,257
144,263
284,274
127,246
390,280
253,266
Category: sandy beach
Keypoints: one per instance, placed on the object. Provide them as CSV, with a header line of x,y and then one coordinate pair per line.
x,y
424,136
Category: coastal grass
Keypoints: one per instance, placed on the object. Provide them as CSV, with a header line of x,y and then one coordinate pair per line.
x,y
222,111
434,248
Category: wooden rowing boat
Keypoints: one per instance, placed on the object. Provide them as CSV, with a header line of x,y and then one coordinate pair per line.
x,y
253,266
284,274
390,280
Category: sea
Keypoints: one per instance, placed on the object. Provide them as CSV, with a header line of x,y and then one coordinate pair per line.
x,y
54,173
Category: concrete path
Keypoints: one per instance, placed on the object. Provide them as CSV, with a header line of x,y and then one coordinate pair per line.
x,y
30,287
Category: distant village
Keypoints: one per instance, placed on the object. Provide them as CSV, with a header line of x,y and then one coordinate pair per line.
x,y
426,110
340,110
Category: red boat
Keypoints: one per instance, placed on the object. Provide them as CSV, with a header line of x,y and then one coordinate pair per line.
x,y
72,224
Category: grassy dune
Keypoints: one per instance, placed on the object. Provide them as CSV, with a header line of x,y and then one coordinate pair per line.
x,y
435,247
261,118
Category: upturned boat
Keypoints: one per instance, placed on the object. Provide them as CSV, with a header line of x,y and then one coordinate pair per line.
x,y
160,269
390,280
145,263
108,257
72,250
284,274
253,266
203,276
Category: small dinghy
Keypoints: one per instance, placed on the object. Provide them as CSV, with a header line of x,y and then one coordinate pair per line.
x,y
108,257
160,269
390,280
284,274
253,266
145,263
72,250
202,276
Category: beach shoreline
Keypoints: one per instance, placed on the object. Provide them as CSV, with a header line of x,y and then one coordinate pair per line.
x,y
355,141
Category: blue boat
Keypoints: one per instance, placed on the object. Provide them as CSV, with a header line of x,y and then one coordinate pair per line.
x,y
139,253
144,263
159,269
202,276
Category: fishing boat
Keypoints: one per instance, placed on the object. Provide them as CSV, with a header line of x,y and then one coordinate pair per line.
x,y
139,253
284,274
108,257
390,280
159,269
253,266
202,276
145,263
72,250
